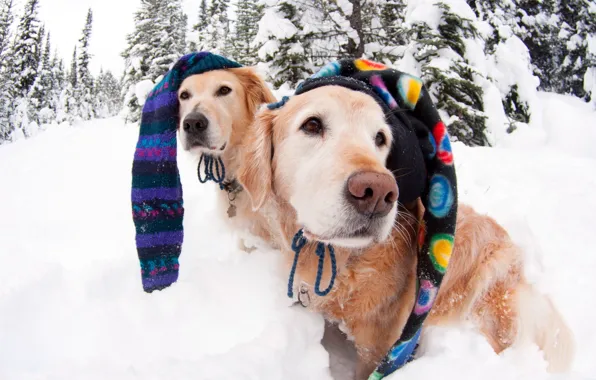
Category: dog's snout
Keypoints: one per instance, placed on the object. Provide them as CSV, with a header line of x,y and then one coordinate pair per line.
x,y
195,123
372,193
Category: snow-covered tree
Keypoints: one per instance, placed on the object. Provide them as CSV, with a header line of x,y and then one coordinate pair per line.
x,y
248,14
284,44
388,33
73,72
169,37
59,82
108,101
512,71
21,72
393,13
41,108
6,20
538,27
201,28
218,28
84,57
157,41
25,53
68,105
578,28
84,93
440,53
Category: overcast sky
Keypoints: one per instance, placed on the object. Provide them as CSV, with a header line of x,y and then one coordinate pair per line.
x,y
112,20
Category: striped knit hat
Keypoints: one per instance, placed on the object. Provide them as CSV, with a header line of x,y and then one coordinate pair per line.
x,y
157,206
422,160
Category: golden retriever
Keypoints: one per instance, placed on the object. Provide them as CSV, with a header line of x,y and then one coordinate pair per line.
x,y
216,109
298,165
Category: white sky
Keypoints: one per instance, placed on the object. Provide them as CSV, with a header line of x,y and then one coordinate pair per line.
x,y
112,21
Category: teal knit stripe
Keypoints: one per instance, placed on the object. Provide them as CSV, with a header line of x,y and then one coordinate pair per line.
x,y
159,225
149,181
158,127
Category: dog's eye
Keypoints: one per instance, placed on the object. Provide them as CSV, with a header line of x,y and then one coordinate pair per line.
x,y
184,95
223,91
380,139
312,126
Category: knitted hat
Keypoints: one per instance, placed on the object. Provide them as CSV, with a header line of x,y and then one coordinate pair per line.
x,y
422,162
157,206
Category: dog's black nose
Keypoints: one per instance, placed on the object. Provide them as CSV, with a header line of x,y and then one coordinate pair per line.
x,y
195,123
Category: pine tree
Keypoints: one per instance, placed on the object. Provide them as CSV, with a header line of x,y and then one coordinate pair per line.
x,y
285,46
24,52
137,56
108,95
158,40
101,106
201,28
453,84
538,27
58,73
6,20
170,37
499,42
218,28
578,19
335,29
73,73
84,84
392,18
41,107
354,28
59,82
384,33
248,14
68,105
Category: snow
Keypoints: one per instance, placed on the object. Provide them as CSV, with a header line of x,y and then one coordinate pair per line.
x,y
510,66
590,83
142,89
569,128
75,308
423,11
273,24
72,304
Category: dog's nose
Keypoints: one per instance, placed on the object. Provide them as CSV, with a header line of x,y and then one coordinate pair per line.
x,y
372,193
195,123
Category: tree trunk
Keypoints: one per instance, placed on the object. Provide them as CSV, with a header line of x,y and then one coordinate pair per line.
x,y
356,49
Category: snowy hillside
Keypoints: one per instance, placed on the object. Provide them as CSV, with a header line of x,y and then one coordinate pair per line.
x,y
72,306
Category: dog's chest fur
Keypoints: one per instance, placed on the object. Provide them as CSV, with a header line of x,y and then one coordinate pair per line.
x,y
375,287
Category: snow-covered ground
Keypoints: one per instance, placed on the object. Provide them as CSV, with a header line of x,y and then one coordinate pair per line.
x,y
72,306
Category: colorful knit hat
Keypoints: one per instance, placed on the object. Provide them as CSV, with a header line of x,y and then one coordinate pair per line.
x,y
422,162
157,206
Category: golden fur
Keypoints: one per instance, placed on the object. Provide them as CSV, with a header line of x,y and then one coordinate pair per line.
x,y
375,287
230,117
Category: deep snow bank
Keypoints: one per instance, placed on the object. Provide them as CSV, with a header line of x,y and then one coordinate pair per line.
x,y
72,306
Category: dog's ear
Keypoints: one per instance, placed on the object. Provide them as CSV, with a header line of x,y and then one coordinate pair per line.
x,y
256,90
255,172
